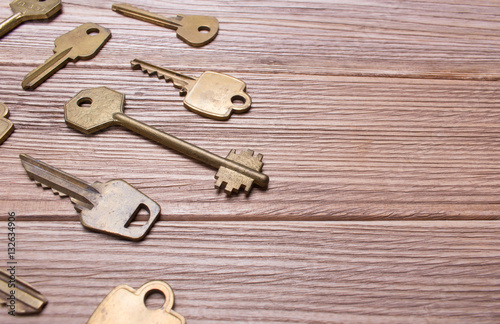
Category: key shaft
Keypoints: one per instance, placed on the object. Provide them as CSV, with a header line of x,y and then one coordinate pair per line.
x,y
144,15
180,81
36,77
29,300
10,23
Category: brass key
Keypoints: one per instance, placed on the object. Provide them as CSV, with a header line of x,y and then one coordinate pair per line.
x,y
193,30
106,108
104,207
83,42
213,94
24,10
25,300
6,126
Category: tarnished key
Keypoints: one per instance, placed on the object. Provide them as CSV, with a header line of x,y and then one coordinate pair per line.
x,y
213,94
25,300
125,305
83,42
94,109
24,10
6,126
104,207
193,30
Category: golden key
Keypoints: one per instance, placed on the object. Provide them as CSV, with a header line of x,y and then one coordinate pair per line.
x,y
94,109
214,95
193,30
26,300
83,42
24,10
124,305
6,126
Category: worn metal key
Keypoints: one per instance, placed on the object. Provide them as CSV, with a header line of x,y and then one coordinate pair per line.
x,y
193,30
83,42
104,207
94,109
24,10
213,94
25,300
6,126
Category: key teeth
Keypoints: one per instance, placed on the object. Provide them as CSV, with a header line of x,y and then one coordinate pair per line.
x,y
160,76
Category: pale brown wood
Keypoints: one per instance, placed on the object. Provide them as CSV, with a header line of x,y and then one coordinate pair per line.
x,y
298,272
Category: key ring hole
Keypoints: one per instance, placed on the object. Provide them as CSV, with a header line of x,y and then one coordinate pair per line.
x,y
238,100
204,29
154,299
140,217
84,102
93,31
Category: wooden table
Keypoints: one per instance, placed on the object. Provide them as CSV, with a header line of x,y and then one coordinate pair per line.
x,y
379,122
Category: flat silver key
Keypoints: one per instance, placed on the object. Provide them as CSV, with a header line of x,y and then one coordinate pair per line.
x,y
83,42
193,30
104,207
24,10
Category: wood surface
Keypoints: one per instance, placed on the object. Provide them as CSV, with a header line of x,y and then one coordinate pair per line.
x,y
379,126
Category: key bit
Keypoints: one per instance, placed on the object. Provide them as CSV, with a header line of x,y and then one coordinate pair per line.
x,y
214,95
104,207
24,10
106,109
28,300
193,30
83,42
125,305
6,126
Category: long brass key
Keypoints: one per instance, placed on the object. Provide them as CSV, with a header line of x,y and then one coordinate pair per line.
x,y
83,42
6,126
213,94
106,108
193,30
25,300
125,305
104,207
24,10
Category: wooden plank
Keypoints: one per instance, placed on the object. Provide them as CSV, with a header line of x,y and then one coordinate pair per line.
x,y
390,272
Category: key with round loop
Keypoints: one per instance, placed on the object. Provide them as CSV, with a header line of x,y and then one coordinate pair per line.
x,y
94,109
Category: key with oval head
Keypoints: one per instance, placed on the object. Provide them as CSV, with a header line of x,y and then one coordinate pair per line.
x,y
214,95
106,109
6,126
104,207
83,42
193,30
24,10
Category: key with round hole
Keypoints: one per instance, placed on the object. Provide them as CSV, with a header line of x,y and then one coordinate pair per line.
x,y
104,207
83,42
24,10
214,95
193,30
94,109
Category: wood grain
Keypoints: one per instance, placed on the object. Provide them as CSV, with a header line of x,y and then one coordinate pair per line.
x,y
298,272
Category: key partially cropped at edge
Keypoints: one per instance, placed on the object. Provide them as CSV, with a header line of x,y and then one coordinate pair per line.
x,y
6,126
193,30
83,42
104,207
24,10
28,300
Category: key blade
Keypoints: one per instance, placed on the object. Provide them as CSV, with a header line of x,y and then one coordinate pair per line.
x,y
144,15
36,9
180,81
28,299
83,42
60,181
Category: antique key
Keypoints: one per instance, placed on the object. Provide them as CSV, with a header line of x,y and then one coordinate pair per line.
x,y
83,42
106,109
104,207
6,126
193,30
125,305
213,94
25,300
24,10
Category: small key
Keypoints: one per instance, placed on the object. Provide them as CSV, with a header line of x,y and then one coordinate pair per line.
x,y
83,42
6,126
26,300
214,95
125,305
106,109
104,207
193,30
24,10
